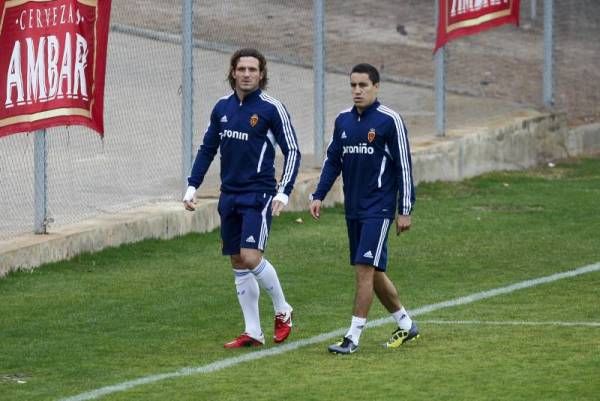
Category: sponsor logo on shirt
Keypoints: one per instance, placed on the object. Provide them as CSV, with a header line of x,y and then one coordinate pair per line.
x,y
254,120
242,136
361,149
224,119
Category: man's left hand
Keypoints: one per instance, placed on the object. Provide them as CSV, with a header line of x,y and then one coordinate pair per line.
x,y
277,207
279,201
402,224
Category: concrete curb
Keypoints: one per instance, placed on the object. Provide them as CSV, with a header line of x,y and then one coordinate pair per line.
x,y
526,140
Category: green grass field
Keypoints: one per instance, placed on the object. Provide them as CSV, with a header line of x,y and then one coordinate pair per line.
x,y
157,307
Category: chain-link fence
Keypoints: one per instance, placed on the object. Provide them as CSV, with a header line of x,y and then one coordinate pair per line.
x,y
139,160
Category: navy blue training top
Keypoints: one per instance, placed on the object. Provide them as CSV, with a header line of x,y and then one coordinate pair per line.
x,y
371,151
246,134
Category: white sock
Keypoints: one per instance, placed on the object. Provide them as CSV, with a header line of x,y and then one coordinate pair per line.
x,y
248,293
267,278
356,328
402,319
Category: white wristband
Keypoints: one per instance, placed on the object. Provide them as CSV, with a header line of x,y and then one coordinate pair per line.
x,y
281,197
189,194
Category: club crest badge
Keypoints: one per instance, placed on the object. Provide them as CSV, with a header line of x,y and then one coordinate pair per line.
x,y
371,135
254,120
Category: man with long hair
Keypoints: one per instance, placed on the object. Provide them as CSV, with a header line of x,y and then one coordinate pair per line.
x,y
245,128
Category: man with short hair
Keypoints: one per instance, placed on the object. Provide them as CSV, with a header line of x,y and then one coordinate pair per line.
x,y
370,148
246,126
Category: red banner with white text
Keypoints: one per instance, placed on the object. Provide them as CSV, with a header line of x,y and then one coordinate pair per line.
x,y
52,63
466,17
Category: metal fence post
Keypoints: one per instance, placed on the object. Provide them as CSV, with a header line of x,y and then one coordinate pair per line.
x,y
187,90
548,53
440,83
40,156
319,79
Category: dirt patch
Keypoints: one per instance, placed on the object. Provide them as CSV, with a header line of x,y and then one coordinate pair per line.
x,y
505,63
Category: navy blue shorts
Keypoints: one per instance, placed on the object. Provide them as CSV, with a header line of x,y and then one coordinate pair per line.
x,y
245,221
368,242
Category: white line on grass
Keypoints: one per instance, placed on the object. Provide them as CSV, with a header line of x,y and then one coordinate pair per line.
x,y
512,323
290,346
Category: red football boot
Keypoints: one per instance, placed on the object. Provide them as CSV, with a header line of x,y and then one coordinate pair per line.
x,y
244,340
283,326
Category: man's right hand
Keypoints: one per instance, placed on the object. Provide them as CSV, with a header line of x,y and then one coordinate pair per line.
x,y
315,208
188,199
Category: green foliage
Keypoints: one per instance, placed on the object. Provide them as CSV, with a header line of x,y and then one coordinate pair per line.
x,y
158,306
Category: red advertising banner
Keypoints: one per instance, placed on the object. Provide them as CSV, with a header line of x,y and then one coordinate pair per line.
x,y
52,63
466,17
